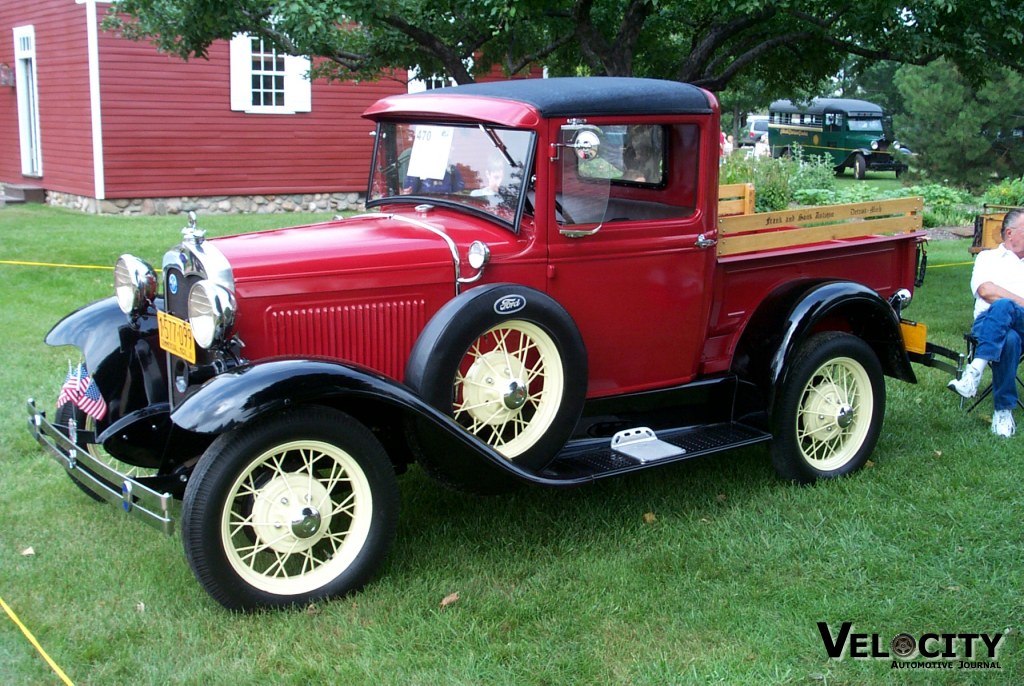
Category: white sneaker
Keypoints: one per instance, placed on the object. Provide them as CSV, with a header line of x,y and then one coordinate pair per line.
x,y
1003,424
967,384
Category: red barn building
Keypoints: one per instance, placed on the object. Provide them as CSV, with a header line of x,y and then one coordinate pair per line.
x,y
109,125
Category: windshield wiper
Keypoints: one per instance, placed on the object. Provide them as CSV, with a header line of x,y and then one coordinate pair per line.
x,y
499,144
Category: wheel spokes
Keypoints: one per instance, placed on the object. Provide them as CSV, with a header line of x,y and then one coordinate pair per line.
x,y
282,488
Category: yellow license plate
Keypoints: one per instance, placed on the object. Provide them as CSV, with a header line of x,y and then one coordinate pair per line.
x,y
176,336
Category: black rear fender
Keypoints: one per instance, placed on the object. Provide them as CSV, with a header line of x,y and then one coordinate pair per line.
x,y
788,317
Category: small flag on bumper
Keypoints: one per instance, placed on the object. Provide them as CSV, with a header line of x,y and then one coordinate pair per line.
x,y
81,389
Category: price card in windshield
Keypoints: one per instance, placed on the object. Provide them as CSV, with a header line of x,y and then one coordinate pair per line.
x,y
430,151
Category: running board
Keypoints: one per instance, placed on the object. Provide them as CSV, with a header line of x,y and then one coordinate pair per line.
x,y
640,448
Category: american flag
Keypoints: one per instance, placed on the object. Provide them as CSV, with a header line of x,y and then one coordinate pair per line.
x,y
72,385
81,389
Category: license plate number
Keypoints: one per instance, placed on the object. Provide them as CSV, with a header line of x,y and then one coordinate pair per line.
x,y
176,336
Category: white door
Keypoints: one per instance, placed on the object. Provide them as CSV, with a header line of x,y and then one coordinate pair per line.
x,y
28,100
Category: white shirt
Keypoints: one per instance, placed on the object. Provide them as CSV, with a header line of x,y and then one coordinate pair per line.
x,y
1001,267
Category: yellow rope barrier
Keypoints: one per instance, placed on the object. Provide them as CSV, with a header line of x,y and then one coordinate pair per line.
x,y
52,264
35,643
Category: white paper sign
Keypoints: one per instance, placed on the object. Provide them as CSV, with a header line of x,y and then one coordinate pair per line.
x,y
430,152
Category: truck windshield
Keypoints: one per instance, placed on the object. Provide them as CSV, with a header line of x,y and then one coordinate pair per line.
x,y
869,125
478,167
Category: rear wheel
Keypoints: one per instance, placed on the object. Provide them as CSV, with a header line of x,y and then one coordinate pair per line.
x,y
829,411
300,507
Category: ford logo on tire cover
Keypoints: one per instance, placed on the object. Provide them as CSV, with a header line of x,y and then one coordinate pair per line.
x,y
172,283
509,304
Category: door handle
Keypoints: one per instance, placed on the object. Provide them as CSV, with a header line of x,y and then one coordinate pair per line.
x,y
704,243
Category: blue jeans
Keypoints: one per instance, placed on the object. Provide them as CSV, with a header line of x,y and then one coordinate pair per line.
x,y
999,331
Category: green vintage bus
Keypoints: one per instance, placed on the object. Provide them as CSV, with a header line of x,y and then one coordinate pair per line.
x,y
848,132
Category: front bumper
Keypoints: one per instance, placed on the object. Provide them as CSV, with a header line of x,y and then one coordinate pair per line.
x,y
159,510
883,161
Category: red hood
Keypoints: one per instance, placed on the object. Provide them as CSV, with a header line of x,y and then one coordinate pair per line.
x,y
362,244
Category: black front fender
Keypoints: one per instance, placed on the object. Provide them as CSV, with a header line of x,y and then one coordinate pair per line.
x,y
122,354
242,395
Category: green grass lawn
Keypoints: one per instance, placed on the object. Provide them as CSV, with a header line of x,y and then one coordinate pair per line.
x,y
885,181
725,584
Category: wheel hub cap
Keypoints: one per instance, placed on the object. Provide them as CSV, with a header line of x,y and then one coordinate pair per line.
x,y
828,413
515,395
307,524
494,390
286,515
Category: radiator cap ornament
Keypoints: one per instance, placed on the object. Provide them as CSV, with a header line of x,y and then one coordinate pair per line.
x,y
193,233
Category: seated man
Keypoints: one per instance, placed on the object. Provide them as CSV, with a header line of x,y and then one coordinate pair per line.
x,y
998,285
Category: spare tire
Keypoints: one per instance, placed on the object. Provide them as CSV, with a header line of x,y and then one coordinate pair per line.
x,y
507,363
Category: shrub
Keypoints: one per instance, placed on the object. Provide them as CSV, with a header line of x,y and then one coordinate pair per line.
x,y
778,182
1006,192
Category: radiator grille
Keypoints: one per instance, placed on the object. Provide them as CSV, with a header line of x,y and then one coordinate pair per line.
x,y
377,335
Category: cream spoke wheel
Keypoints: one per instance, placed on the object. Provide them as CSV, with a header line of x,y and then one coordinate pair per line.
x,y
296,517
829,427
829,412
299,506
507,386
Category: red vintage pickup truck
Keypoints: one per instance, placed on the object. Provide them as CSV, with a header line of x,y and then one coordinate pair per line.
x,y
544,291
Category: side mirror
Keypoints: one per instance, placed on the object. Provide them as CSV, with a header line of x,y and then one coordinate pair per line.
x,y
587,144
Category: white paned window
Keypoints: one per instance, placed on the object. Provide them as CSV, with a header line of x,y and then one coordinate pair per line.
x,y
28,101
265,81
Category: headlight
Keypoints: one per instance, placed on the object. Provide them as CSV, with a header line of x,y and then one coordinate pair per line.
x,y
874,145
134,284
211,311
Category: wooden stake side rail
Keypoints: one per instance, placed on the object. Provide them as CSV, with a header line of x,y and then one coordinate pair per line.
x,y
735,198
803,225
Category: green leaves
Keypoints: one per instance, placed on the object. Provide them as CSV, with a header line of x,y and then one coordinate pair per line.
x,y
782,45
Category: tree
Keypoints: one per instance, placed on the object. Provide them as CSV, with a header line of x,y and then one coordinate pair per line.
x,y
966,134
782,43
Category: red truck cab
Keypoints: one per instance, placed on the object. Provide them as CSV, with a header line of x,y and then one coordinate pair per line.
x,y
541,291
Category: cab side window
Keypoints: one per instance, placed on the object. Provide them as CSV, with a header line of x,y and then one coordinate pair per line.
x,y
636,172
629,153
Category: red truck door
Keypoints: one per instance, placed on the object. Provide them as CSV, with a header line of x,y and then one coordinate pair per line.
x,y
630,249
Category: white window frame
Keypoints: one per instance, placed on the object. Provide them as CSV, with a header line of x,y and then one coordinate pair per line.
x,y
298,90
419,83
28,100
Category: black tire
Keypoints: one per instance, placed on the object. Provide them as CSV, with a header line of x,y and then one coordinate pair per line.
x,y
525,407
839,171
87,425
828,413
860,166
83,422
252,543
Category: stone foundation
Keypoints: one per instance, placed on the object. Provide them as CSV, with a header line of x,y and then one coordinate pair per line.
x,y
218,204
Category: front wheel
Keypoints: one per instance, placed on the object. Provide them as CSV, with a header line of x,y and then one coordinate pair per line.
x,y
300,507
828,413
860,167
